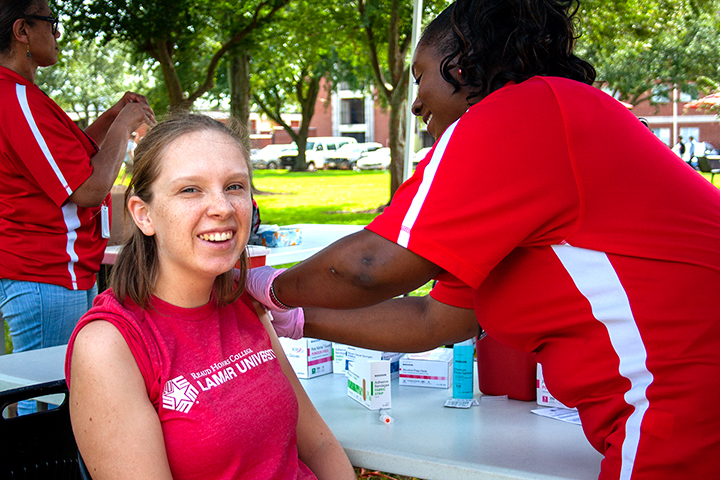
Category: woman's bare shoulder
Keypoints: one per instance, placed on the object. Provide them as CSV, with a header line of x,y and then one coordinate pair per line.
x,y
99,341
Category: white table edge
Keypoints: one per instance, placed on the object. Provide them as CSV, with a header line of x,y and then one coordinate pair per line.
x,y
436,468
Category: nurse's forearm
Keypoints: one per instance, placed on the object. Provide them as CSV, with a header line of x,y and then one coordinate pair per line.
x,y
356,271
406,324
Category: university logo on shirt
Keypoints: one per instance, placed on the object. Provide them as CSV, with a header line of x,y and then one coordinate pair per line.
x,y
179,395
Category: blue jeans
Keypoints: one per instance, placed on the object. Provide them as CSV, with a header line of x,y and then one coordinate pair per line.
x,y
41,315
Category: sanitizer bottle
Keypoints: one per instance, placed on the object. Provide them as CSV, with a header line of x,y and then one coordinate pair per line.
x,y
463,361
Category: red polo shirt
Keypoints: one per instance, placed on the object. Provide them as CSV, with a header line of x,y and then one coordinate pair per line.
x,y
44,157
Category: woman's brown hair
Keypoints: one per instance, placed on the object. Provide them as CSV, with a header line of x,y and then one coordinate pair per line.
x,y
136,269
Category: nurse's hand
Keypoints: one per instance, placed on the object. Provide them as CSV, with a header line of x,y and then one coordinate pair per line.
x,y
259,285
289,324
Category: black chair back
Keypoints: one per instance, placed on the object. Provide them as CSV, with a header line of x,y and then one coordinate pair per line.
x,y
704,164
40,445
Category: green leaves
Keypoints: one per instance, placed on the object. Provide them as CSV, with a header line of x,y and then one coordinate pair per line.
x,y
90,77
637,44
634,44
186,38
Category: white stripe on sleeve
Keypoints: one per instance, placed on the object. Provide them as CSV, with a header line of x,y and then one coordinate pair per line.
x,y
420,196
21,92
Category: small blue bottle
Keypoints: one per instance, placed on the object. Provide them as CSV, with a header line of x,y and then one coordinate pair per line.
x,y
463,361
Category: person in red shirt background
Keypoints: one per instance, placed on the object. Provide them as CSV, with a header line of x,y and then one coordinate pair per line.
x,y
55,181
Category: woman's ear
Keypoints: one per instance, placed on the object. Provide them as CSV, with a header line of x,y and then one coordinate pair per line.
x,y
20,31
141,215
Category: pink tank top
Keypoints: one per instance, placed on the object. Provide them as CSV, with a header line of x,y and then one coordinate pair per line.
x,y
227,410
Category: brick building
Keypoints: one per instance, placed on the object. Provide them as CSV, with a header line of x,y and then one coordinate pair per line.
x,y
345,113
668,119
355,114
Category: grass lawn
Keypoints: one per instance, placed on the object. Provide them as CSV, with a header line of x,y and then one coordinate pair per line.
x,y
716,181
333,196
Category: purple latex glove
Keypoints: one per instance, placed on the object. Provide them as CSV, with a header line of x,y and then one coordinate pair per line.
x,y
258,283
289,324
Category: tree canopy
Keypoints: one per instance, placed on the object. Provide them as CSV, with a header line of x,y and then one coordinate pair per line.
x,y
287,45
385,31
187,38
638,44
90,77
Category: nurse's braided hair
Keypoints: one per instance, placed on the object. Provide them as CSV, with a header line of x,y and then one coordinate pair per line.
x,y
498,41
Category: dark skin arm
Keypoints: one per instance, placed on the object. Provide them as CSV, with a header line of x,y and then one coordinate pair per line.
x,y
366,270
405,324
111,132
359,270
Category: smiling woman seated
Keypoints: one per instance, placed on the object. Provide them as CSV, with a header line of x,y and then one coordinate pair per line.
x,y
176,370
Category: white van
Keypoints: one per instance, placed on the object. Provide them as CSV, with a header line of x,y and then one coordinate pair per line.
x,y
317,150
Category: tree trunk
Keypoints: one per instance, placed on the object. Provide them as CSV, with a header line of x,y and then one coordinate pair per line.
x,y
84,122
307,105
394,89
239,76
170,75
239,80
300,161
396,133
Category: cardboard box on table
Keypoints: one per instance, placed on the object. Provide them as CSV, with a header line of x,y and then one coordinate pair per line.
x,y
356,353
274,236
369,383
339,351
309,357
427,369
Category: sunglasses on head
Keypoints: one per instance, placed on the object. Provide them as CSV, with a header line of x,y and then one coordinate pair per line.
x,y
53,20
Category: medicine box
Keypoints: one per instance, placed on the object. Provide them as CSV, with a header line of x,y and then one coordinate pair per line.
x,y
356,353
427,369
274,236
309,357
369,383
544,398
339,351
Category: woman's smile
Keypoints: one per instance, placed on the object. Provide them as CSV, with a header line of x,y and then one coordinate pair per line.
x,y
216,237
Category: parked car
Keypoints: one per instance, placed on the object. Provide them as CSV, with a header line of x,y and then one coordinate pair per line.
x,y
347,155
377,160
317,150
420,155
267,157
